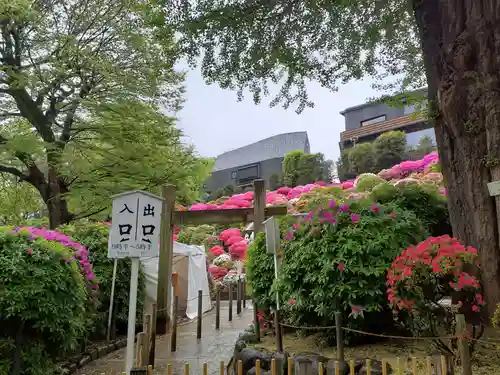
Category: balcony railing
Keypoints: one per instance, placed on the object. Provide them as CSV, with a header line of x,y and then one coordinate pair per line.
x,y
380,127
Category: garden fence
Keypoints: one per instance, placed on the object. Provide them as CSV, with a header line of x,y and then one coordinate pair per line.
x,y
438,365
425,366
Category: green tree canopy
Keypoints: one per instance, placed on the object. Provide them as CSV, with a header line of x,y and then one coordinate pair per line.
x,y
361,158
81,87
300,168
425,146
389,149
19,201
449,47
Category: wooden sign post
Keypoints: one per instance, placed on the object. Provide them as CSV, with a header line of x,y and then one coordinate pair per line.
x,y
135,233
171,217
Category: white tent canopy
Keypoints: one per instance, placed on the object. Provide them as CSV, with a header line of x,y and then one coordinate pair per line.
x,y
190,264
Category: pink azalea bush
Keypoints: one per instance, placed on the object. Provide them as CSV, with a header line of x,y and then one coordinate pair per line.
x,y
80,252
44,304
283,195
230,242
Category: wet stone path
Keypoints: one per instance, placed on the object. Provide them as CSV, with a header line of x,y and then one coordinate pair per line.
x,y
214,346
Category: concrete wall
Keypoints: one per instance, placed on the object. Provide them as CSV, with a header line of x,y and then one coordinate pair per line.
x,y
354,118
222,178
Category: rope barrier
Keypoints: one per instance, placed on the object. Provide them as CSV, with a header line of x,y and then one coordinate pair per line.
x,y
368,333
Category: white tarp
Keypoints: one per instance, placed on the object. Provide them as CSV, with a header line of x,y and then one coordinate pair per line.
x,y
190,264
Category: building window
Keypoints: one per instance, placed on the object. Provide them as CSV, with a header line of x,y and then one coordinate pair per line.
x,y
233,175
373,120
248,174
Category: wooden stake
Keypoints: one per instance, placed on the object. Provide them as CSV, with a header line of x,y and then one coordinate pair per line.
x,y
163,297
339,336
173,337
217,309
238,296
200,314
256,321
277,328
146,328
230,286
259,206
463,345
152,347
244,293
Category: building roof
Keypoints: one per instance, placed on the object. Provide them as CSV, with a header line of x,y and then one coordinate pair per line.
x,y
422,91
273,147
380,127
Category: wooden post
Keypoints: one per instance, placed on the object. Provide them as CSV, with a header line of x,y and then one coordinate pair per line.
x,y
152,346
200,314
139,348
256,321
277,328
238,296
259,214
339,336
244,293
146,328
230,301
173,338
217,309
259,206
163,297
463,345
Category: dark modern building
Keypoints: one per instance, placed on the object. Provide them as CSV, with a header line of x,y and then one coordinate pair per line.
x,y
365,122
259,160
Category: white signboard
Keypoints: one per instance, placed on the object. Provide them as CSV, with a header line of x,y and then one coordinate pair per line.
x,y
494,188
135,225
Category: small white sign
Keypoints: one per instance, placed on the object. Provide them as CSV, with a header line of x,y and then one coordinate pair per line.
x,y
494,188
273,241
135,225
272,229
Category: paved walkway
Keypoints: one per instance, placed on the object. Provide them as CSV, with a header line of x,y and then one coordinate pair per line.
x,y
215,346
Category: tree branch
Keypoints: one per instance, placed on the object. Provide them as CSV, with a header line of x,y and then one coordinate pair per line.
x,y
83,216
14,171
10,114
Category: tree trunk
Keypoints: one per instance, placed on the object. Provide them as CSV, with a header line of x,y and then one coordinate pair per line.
x,y
461,47
56,203
52,190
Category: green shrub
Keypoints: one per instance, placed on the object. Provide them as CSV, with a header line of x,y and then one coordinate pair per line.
x,y
195,235
424,200
260,272
367,181
44,300
95,237
318,197
364,239
385,192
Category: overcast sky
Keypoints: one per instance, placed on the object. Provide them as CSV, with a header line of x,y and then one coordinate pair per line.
x,y
214,121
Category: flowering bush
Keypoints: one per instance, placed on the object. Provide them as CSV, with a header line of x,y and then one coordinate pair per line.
x,y
424,200
95,238
45,283
335,259
286,196
424,275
